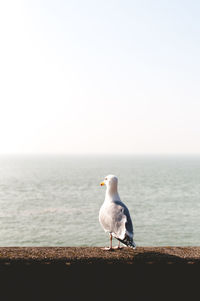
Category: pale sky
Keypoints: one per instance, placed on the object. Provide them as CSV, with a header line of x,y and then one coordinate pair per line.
x,y
100,76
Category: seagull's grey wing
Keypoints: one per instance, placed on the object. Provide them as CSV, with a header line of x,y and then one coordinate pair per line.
x,y
124,229
124,220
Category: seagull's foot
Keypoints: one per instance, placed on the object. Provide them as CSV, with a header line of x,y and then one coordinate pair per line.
x,y
118,248
107,249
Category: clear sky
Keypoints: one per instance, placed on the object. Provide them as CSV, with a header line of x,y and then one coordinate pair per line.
x,y
100,76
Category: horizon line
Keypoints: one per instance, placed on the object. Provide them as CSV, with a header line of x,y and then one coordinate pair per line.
x,y
97,154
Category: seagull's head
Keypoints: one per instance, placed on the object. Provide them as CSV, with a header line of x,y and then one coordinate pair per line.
x,y
110,181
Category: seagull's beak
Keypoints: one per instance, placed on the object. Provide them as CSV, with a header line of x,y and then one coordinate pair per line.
x,y
102,183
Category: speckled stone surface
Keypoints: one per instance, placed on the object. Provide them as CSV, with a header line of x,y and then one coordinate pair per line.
x,y
90,255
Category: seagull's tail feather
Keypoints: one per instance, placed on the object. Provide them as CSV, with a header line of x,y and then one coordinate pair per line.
x,y
133,245
129,242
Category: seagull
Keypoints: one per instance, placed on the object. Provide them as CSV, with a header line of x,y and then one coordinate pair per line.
x,y
114,216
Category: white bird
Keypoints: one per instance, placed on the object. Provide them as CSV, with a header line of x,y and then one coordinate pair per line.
x,y
114,216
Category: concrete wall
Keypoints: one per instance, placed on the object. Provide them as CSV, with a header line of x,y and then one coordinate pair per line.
x,y
90,273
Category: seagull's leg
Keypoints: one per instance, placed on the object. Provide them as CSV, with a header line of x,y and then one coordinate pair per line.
x,y
118,247
110,241
109,248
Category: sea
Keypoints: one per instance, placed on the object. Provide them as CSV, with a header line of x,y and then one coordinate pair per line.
x,y
54,200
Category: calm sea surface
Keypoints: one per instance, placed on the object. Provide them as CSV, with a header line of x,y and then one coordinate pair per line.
x,y
55,200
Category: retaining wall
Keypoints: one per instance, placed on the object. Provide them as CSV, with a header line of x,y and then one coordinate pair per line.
x,y
69,273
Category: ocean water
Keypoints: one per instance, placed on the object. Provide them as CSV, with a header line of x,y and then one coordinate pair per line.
x,y
55,200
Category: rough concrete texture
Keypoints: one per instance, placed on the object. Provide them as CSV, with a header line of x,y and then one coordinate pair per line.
x,y
70,255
